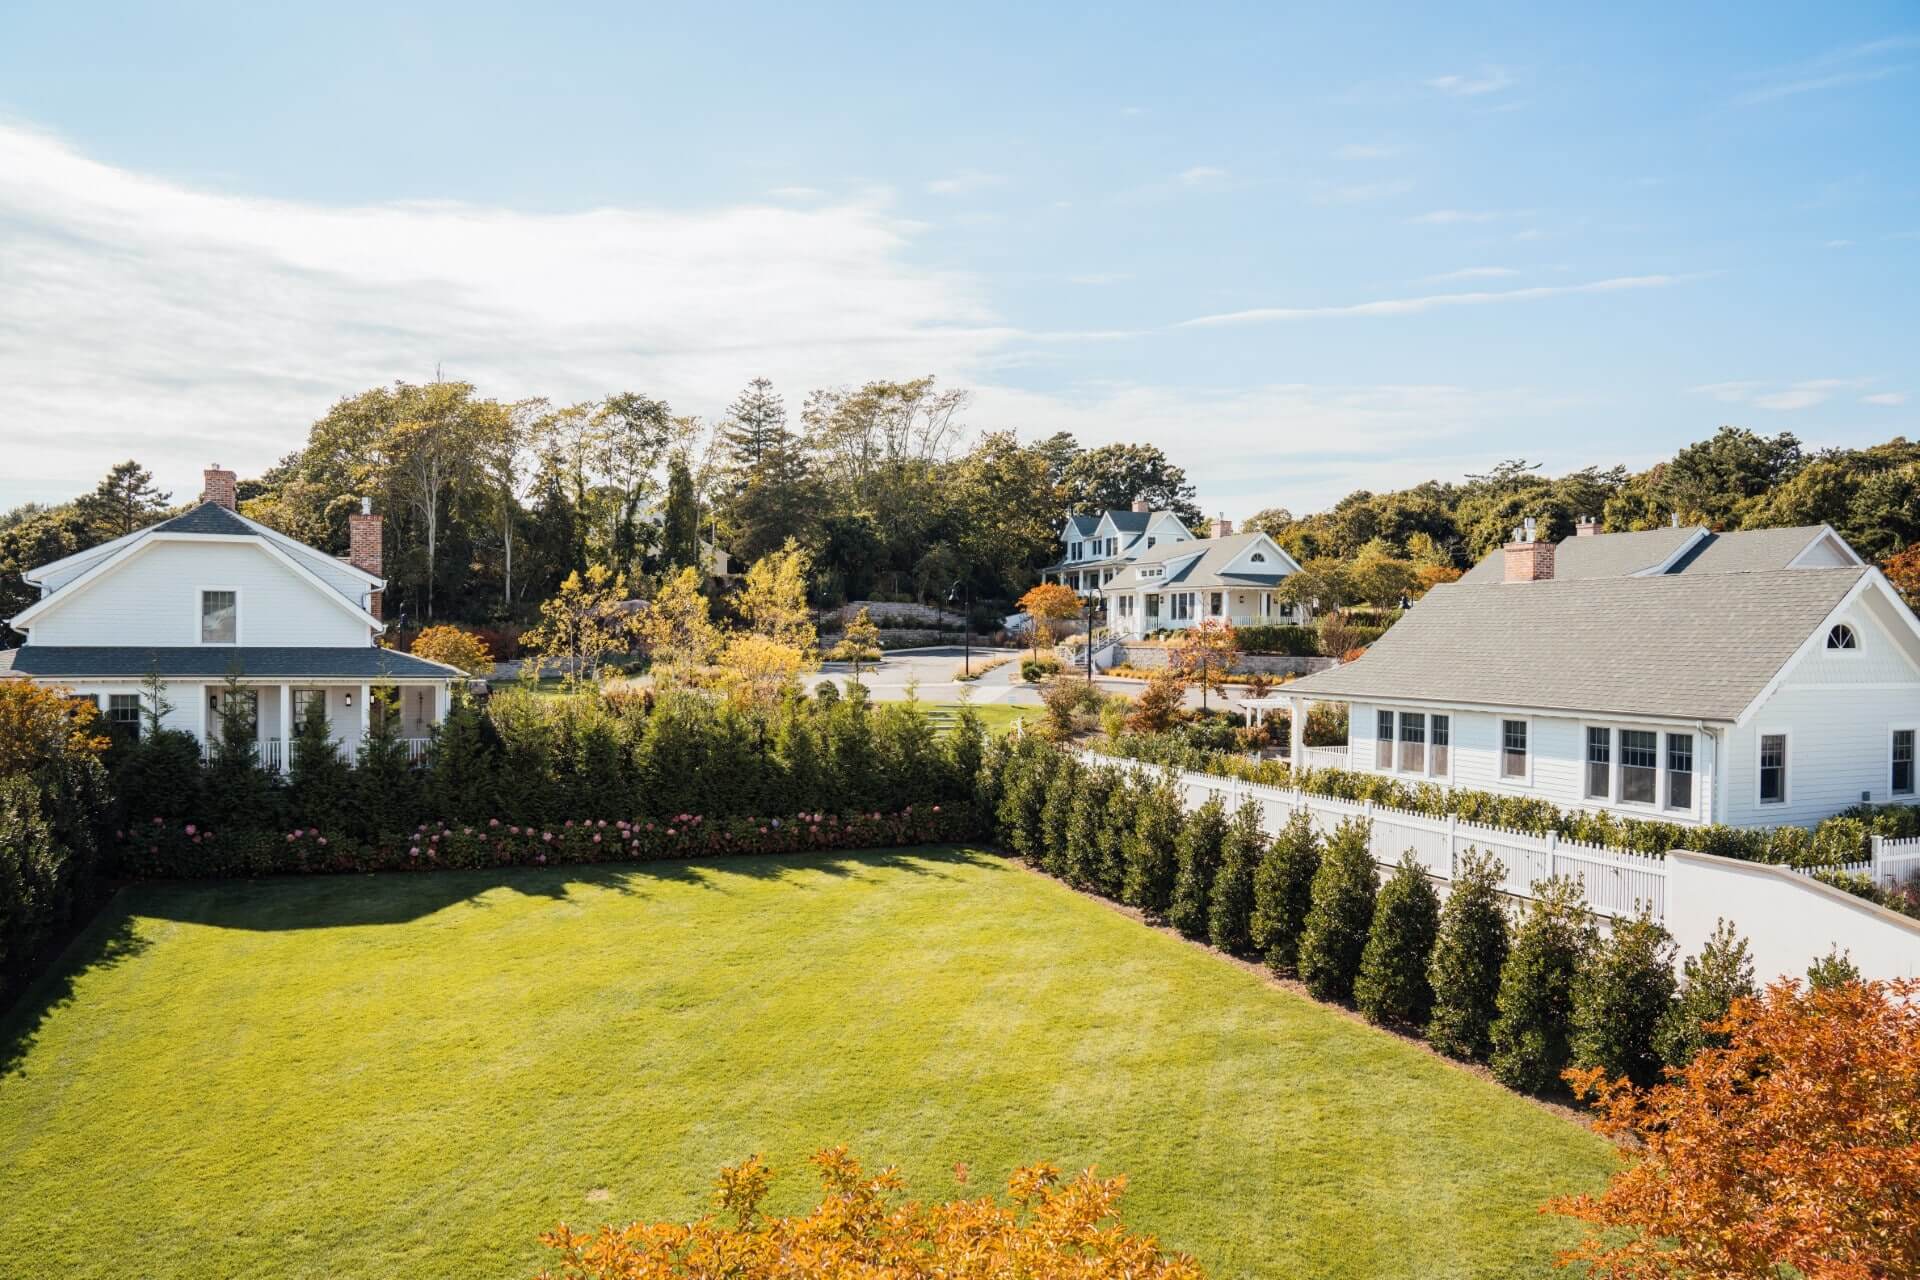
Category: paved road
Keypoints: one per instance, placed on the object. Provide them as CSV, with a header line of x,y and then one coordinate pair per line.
x,y
934,669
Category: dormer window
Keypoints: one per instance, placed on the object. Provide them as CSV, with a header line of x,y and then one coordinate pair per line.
x,y
1258,557
219,617
1842,637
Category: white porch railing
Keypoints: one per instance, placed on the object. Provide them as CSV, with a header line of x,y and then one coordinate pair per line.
x,y
417,748
1613,882
1324,757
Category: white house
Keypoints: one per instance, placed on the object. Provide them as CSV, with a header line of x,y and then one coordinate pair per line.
x,y
1100,544
1231,576
1760,678
210,596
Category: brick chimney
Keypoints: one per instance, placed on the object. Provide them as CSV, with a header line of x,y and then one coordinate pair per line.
x,y
1529,559
364,547
1142,505
222,488
1222,527
1586,527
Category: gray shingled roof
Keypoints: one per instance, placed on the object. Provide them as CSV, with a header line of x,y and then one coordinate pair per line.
x,y
107,662
1692,646
1131,521
1213,554
1600,555
208,517
1748,549
1083,526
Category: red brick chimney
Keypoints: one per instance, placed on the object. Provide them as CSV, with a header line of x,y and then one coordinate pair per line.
x,y
1142,505
1529,558
364,547
1586,527
222,488
1222,527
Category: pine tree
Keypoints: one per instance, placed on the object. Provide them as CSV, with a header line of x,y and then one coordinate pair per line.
x,y
1467,959
756,423
1149,851
319,777
124,500
1392,987
680,523
1230,907
1710,982
1283,892
463,781
1196,855
1342,912
384,799
1620,997
1531,1036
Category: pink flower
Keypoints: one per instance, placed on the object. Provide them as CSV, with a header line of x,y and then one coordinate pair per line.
x,y
547,836
541,858
414,852
596,838
493,822
323,839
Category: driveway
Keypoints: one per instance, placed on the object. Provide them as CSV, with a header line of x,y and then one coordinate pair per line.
x,y
934,669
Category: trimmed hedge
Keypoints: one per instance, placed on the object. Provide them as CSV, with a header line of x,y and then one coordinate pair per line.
x,y
1342,914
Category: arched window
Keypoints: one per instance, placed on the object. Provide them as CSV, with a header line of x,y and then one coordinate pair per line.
x,y
1842,637
1258,557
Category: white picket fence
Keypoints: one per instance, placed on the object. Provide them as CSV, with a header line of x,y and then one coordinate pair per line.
x,y
1894,862
1324,757
1614,882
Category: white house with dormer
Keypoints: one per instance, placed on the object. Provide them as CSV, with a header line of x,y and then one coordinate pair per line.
x,y
1767,677
221,607
1097,545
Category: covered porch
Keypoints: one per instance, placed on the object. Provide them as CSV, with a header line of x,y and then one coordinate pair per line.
x,y
1294,748
269,714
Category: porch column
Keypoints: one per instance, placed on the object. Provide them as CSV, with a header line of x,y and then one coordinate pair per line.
x,y
201,717
1296,730
442,701
286,728
366,719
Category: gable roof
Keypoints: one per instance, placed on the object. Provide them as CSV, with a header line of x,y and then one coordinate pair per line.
x,y
1686,550
1751,549
1202,562
208,517
1600,555
1687,646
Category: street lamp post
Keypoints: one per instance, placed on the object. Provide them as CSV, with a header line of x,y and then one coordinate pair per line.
x,y
966,622
1090,599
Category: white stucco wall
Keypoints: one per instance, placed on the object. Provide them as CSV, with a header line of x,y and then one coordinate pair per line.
x,y
1789,921
153,598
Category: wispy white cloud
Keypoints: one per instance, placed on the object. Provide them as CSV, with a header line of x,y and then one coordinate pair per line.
x,y
1839,244
1490,80
1840,68
965,183
1888,398
1433,302
1202,175
143,317
1472,273
1779,397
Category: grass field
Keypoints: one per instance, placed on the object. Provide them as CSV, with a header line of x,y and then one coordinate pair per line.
x,y
414,1075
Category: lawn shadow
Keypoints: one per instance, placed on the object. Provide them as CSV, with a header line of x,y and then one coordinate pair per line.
x,y
381,898
110,940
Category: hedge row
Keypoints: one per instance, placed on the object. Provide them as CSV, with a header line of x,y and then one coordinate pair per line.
x,y
1531,998
188,851
1844,838
540,762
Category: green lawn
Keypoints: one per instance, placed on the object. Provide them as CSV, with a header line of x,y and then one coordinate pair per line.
x,y
414,1075
998,717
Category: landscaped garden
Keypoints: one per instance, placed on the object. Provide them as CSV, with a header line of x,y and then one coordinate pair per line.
x,y
416,1074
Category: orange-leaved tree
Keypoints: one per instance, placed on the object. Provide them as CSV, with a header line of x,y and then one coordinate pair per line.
x,y
1053,1230
1205,653
39,726
1903,571
1795,1149
455,647
1046,604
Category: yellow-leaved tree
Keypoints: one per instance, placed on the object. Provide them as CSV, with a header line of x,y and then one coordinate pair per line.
x,y
455,647
857,642
582,624
773,599
679,632
1052,1230
1046,604
757,671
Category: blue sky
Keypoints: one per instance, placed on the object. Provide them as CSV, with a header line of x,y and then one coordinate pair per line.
x,y
1304,250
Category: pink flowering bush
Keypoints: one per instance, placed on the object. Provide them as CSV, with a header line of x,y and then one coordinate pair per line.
x,y
185,851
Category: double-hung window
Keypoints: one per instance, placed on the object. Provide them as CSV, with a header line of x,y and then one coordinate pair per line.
x,y
123,712
1383,742
1773,768
219,617
1441,745
1679,771
1215,604
1639,766
1413,742
1599,763
1903,762
1513,748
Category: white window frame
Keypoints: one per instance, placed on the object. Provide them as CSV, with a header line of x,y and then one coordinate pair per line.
x,y
200,618
1453,745
1620,768
1913,789
1826,645
1395,718
1786,767
1613,763
1392,719
1666,772
1500,748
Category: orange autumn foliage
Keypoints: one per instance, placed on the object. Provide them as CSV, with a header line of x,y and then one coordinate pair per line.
x,y
1053,1230
1795,1149
38,725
